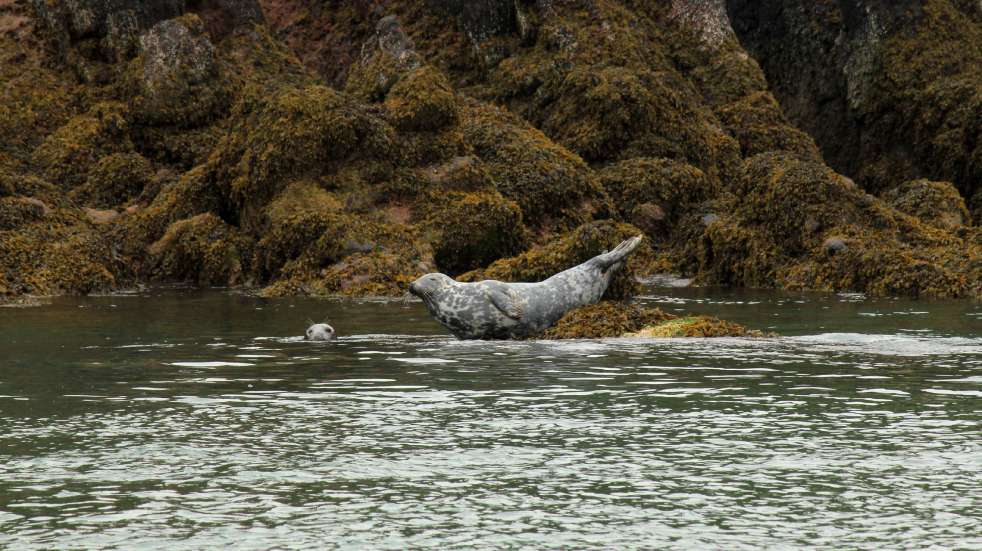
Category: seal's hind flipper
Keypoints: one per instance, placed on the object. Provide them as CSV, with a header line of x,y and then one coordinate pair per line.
x,y
620,252
505,299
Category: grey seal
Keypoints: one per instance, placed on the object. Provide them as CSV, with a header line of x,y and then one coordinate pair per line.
x,y
496,310
320,332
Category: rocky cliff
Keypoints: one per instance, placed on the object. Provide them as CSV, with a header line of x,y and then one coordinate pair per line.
x,y
346,147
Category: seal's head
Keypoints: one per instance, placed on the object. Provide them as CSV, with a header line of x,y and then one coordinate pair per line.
x,y
427,286
320,332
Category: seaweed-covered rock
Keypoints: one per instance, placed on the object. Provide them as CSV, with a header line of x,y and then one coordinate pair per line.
x,y
112,24
552,186
608,318
18,211
475,229
605,113
202,249
574,248
877,83
760,126
67,155
653,193
114,180
789,213
422,100
49,251
935,203
293,132
696,326
364,274
629,319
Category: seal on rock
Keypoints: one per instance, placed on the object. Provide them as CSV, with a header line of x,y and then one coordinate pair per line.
x,y
497,310
320,332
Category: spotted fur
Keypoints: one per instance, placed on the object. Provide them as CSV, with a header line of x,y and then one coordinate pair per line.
x,y
496,310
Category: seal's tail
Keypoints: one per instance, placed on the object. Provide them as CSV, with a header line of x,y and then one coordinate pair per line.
x,y
617,256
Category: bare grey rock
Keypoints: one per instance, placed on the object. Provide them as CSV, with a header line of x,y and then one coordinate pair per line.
x,y
834,245
179,70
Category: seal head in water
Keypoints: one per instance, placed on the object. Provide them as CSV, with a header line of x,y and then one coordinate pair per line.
x,y
320,332
497,310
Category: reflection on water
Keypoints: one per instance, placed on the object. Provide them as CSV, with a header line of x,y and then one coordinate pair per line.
x,y
193,420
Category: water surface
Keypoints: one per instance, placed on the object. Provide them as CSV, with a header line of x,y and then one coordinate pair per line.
x,y
190,420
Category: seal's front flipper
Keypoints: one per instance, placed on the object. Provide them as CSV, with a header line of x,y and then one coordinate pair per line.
x,y
505,299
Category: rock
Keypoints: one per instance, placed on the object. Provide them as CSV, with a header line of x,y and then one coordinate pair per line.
x,y
875,83
936,203
422,100
834,245
706,17
475,229
480,19
15,212
385,58
100,216
393,41
115,23
178,74
223,17
650,218
708,219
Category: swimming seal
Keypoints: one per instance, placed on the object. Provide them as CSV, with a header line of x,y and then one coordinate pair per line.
x,y
320,332
497,310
